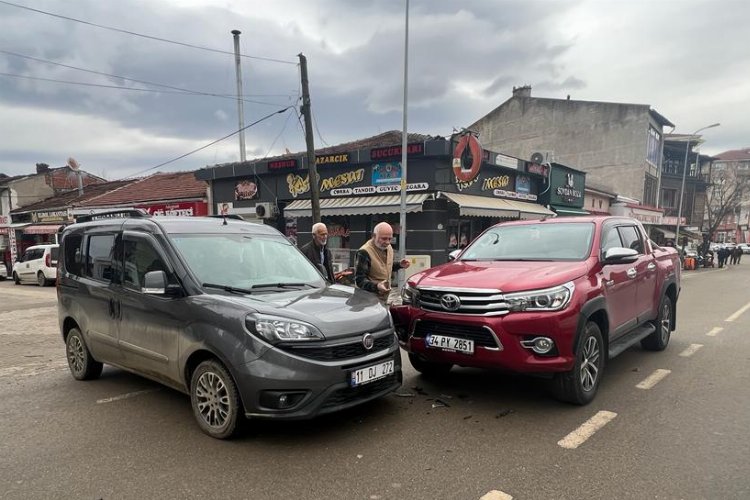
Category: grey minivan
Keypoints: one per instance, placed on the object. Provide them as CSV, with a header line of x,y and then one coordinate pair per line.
x,y
227,311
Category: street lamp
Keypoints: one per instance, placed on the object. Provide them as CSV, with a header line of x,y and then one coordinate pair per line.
x,y
682,187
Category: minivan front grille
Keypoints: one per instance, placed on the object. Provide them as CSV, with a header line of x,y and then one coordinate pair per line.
x,y
477,301
353,349
481,335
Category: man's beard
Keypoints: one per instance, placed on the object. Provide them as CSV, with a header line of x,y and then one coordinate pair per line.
x,y
383,247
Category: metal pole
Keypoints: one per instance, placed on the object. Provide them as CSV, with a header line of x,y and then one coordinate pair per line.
x,y
240,107
310,141
404,153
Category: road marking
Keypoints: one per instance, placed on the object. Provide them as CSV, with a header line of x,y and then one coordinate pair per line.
x,y
714,331
738,313
690,350
496,495
653,379
586,430
125,396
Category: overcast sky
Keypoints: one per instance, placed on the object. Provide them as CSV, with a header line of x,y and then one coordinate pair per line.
x,y
688,59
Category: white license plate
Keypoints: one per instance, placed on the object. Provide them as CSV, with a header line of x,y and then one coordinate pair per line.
x,y
371,373
450,343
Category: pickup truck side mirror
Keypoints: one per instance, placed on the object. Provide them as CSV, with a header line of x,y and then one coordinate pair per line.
x,y
453,255
619,255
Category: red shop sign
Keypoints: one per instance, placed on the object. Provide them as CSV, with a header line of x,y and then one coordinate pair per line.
x,y
180,209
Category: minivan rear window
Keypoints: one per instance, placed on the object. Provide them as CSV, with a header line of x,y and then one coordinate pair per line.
x,y
73,254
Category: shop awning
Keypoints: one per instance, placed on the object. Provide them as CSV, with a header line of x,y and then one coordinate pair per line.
x,y
42,229
569,210
667,233
483,206
359,205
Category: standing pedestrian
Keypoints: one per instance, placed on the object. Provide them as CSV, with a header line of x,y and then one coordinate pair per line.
x,y
375,262
318,253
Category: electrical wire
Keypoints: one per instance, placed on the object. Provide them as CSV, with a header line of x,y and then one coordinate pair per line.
x,y
315,123
149,37
119,87
146,82
209,144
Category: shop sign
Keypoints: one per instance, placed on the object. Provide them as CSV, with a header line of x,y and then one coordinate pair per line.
x,y
336,159
535,168
386,173
246,189
343,179
282,164
4,220
52,216
672,221
523,184
500,181
395,151
415,186
502,193
297,185
12,245
506,161
180,209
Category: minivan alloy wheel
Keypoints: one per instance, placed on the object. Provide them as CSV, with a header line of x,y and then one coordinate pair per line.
x,y
212,399
82,365
215,400
76,355
40,279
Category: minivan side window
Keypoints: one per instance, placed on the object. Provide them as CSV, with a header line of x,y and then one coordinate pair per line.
x,y
73,255
630,238
99,257
139,258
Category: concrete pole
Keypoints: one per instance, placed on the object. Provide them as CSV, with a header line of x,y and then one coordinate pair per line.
x,y
240,107
310,141
404,153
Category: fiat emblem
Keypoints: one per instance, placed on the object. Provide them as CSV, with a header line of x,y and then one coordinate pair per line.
x,y
450,302
368,341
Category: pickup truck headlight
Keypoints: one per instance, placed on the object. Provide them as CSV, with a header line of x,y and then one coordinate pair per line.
x,y
275,329
409,295
549,299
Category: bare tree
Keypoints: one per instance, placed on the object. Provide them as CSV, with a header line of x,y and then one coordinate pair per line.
x,y
729,187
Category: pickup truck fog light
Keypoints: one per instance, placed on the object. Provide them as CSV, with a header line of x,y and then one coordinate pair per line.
x,y
279,400
540,345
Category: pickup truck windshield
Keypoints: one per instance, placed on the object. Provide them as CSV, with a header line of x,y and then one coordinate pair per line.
x,y
244,262
563,241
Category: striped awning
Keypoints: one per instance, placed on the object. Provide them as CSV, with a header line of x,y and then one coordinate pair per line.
x,y
484,206
357,205
42,229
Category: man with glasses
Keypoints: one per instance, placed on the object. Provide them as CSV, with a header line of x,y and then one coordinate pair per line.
x,y
375,262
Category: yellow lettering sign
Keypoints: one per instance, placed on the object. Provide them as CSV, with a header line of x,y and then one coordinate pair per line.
x,y
496,182
342,180
297,185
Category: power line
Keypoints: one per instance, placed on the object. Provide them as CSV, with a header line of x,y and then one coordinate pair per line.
x,y
210,143
119,87
38,11
315,122
146,82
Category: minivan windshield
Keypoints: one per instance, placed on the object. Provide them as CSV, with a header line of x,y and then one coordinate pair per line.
x,y
243,261
563,241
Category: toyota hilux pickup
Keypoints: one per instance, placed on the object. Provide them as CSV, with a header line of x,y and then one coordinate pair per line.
x,y
555,297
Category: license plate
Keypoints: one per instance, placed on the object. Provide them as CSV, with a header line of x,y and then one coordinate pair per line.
x,y
371,373
450,344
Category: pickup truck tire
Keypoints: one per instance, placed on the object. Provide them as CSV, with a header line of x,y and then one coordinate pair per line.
x,y
658,340
579,385
429,368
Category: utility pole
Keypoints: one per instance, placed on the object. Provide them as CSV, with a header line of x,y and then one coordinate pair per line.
x,y
312,168
240,107
404,154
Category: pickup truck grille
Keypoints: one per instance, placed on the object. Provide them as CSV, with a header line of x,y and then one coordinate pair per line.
x,y
479,334
481,302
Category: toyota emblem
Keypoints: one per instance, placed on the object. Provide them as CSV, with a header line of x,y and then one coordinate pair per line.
x,y
368,341
450,302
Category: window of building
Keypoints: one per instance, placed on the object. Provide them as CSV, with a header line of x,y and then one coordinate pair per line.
x,y
653,146
649,190
669,198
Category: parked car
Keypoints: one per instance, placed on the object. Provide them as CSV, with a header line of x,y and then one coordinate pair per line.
x,y
227,311
556,297
37,265
745,247
3,271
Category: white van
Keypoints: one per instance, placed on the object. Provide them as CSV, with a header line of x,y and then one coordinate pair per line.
x,y
37,265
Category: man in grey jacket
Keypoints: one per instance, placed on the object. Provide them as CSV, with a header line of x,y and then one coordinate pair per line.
x,y
318,253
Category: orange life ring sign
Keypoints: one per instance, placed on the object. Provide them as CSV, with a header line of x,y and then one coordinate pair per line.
x,y
475,149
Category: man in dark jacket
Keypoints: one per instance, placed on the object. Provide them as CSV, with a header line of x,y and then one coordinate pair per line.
x,y
318,253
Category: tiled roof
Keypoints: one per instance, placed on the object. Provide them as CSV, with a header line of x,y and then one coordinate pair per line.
x,y
734,155
72,199
158,187
66,178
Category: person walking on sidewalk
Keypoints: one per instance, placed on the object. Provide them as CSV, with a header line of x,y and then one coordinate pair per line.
x,y
375,262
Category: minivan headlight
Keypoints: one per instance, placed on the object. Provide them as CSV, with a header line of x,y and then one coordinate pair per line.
x,y
548,299
409,295
275,329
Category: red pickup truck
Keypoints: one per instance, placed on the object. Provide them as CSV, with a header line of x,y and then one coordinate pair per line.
x,y
557,297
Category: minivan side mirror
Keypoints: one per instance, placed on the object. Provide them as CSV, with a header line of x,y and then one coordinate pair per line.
x,y
620,255
155,283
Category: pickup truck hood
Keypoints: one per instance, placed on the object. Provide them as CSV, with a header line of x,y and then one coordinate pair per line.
x,y
507,276
337,311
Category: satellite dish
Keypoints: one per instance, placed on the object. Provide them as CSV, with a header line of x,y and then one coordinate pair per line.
x,y
73,164
537,158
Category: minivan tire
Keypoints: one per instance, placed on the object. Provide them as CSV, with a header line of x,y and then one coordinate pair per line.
x,y
579,385
659,340
429,368
82,365
16,279
215,400
40,279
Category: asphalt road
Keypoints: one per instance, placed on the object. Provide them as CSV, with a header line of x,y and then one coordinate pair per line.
x,y
683,436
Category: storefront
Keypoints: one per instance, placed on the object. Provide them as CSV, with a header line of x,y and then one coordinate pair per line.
x,y
567,191
450,196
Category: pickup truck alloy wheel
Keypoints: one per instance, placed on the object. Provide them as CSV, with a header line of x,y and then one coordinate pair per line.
x,y
215,400
579,385
658,340
82,365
